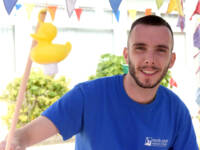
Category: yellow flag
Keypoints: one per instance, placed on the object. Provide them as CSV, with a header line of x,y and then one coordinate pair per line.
x,y
29,9
175,5
159,3
132,13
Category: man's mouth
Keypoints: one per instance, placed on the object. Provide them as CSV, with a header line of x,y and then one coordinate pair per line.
x,y
149,71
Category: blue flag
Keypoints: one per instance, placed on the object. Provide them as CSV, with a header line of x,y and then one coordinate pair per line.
x,y
18,6
9,4
115,4
117,14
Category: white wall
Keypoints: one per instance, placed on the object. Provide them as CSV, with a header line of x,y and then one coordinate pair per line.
x,y
96,33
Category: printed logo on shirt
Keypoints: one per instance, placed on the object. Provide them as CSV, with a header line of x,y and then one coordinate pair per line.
x,y
152,142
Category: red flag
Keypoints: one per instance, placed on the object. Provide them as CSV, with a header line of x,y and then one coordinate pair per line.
x,y
172,82
78,12
198,70
197,10
196,54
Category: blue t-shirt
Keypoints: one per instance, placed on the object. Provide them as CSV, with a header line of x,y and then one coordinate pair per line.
x,y
103,117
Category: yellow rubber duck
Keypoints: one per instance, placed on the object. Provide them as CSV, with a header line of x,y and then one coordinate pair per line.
x,y
45,52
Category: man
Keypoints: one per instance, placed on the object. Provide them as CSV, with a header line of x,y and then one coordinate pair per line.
x,y
123,112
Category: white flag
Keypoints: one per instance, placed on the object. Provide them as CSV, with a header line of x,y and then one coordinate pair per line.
x,y
70,4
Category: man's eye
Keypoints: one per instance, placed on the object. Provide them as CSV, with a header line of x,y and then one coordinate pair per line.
x,y
140,48
162,50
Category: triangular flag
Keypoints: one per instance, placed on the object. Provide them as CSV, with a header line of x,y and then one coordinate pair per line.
x,y
181,22
198,70
196,37
159,3
197,10
132,14
115,4
175,5
148,12
52,11
9,4
18,6
172,83
29,9
78,12
117,14
198,97
196,54
70,4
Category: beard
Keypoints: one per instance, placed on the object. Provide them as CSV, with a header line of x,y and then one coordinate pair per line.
x,y
132,71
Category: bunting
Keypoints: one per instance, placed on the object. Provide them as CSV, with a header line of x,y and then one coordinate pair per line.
x,y
196,54
198,70
181,22
197,10
172,83
117,14
159,3
196,37
70,4
148,11
115,5
18,6
78,13
52,11
198,97
29,9
9,4
132,13
196,42
175,5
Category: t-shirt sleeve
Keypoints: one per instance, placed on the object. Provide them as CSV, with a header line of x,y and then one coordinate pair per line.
x,y
186,138
67,113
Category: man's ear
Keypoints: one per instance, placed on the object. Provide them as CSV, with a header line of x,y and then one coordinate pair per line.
x,y
172,60
125,54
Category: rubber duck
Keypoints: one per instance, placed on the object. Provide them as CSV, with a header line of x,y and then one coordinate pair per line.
x,y
45,52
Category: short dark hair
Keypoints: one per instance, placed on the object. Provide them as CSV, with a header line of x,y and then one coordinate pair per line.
x,y
154,21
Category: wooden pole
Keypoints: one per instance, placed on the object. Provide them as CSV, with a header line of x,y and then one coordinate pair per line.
x,y
22,89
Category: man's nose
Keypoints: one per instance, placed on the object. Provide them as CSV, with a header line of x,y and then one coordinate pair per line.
x,y
149,58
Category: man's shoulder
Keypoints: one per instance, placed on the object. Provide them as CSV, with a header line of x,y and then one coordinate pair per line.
x,y
108,80
168,93
171,97
99,87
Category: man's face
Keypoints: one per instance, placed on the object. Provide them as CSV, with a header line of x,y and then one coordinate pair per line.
x,y
149,54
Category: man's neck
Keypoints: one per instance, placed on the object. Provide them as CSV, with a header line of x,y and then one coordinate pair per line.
x,y
137,93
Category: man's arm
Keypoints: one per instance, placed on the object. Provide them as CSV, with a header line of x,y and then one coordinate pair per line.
x,y
186,137
32,133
